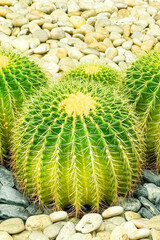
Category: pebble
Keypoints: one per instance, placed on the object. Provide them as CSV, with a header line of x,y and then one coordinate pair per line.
x,y
140,223
12,225
18,22
21,236
118,233
41,35
154,223
53,230
5,236
89,223
77,21
155,234
112,211
130,204
58,216
111,53
66,232
20,44
145,213
57,33
11,196
36,235
41,49
151,177
131,215
38,222
127,45
90,58
11,211
140,233
149,206
6,177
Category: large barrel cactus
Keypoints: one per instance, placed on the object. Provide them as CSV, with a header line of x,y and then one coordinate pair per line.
x,y
19,78
99,72
77,144
142,84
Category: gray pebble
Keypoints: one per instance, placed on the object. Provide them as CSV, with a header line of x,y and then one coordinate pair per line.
x,y
6,177
130,204
11,211
149,206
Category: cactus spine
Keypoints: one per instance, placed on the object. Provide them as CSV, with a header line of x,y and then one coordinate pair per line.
x,y
143,89
19,78
76,144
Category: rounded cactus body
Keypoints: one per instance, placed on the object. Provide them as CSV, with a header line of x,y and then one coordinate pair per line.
x,y
143,89
77,144
19,78
95,71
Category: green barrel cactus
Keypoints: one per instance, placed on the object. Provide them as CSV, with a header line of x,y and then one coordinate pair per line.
x,y
99,72
142,85
19,78
77,143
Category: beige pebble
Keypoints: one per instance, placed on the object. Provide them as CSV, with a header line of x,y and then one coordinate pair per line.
x,y
147,45
61,53
6,30
98,46
131,215
58,216
140,223
4,11
140,233
12,225
18,22
77,21
21,236
154,222
155,234
38,222
112,211
5,236
5,2
111,52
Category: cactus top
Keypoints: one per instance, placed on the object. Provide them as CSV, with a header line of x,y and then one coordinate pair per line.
x,y
78,144
95,71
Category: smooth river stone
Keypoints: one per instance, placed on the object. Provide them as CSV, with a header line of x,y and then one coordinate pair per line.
x,y
89,223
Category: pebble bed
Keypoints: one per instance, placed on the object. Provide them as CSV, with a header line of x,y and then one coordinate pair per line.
x,y
63,33
60,34
132,218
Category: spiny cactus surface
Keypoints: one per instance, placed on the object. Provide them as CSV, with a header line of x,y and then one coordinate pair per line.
x,y
77,144
99,72
19,78
143,89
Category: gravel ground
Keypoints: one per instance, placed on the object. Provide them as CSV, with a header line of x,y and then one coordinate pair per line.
x,y
63,33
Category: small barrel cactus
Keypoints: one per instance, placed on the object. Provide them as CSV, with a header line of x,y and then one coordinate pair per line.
x,y
77,144
142,84
99,72
19,78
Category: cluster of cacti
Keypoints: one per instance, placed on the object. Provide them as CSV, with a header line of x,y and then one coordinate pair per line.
x,y
77,144
19,78
142,85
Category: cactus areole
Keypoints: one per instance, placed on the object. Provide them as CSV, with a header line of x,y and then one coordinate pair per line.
x,y
19,78
77,144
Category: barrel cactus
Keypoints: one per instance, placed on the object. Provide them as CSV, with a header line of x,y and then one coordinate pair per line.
x,y
77,144
99,72
143,89
19,78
